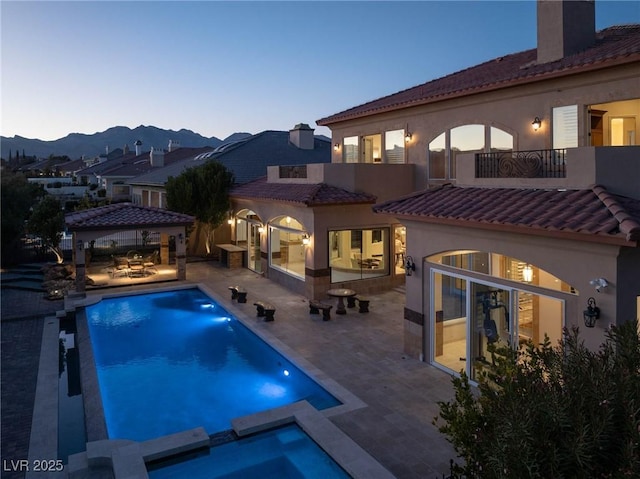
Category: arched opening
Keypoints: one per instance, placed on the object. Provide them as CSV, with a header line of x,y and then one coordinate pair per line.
x,y
287,249
248,235
506,301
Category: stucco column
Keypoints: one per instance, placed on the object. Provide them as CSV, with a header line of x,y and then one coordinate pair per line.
x,y
164,248
80,261
181,255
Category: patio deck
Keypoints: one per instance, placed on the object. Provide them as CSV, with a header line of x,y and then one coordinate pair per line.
x,y
360,351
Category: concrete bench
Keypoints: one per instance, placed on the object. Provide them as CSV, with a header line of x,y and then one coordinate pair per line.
x,y
363,304
265,310
316,306
238,293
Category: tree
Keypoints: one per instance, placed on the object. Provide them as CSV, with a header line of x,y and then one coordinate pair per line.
x,y
47,221
18,196
561,412
203,192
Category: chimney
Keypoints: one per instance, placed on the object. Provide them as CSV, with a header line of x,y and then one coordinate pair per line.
x,y
173,145
138,145
125,150
156,157
565,27
302,136
106,149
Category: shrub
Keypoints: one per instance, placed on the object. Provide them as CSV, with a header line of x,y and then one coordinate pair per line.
x,y
561,412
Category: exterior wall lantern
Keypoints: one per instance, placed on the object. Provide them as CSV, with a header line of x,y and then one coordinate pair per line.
x,y
180,238
261,229
80,245
527,273
336,147
409,266
591,313
305,239
536,123
407,137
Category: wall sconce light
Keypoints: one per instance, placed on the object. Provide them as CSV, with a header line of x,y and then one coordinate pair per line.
x,y
261,229
180,238
599,284
536,123
407,137
230,221
336,147
80,245
591,313
409,266
527,273
305,239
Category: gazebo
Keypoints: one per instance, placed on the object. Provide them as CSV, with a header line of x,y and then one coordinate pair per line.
x,y
87,225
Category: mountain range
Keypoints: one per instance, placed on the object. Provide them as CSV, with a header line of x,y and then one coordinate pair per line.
x,y
77,145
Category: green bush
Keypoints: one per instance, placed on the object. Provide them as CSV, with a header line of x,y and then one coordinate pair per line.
x,y
551,412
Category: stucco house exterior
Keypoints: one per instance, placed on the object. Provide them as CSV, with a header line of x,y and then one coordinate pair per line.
x,y
506,196
525,194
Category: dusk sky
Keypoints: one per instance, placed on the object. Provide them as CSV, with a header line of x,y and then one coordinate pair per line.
x,y
222,67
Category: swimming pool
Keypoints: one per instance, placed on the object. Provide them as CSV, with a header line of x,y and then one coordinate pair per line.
x,y
283,452
171,361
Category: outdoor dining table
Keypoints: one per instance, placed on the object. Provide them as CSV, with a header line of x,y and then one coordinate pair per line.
x,y
341,293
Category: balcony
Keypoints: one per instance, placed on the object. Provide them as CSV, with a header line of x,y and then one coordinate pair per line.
x,y
521,164
617,168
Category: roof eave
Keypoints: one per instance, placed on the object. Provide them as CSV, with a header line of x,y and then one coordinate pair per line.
x,y
526,230
333,119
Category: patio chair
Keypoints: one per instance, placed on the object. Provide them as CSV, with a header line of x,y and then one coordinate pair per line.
x,y
150,261
120,266
133,254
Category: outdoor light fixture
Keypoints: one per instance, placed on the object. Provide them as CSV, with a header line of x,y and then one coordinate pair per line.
x,y
409,266
230,221
80,245
536,123
305,239
591,313
527,273
180,238
261,229
407,137
336,147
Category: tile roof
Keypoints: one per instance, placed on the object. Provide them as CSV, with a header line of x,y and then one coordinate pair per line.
x,y
249,158
131,165
314,194
124,216
589,215
614,46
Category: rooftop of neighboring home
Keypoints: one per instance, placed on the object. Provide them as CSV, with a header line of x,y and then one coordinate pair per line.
x,y
248,158
138,164
616,45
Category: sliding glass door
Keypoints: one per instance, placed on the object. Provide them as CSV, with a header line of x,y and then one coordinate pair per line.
x,y
469,315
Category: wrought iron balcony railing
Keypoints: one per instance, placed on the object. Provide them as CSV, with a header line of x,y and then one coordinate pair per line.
x,y
521,164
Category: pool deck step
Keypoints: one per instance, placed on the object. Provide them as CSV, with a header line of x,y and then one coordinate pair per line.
x,y
128,459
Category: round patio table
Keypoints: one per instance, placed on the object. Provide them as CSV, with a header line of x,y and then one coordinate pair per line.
x,y
341,293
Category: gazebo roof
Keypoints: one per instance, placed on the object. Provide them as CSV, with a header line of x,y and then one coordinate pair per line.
x,y
125,216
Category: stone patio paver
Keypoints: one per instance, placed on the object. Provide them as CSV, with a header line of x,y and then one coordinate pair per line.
x,y
362,352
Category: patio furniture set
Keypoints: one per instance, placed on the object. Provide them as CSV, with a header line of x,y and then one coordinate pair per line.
x,y
135,265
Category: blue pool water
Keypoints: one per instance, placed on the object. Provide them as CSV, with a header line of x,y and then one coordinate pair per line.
x,y
176,360
286,452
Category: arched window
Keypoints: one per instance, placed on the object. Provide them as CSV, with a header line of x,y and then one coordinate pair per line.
x,y
443,149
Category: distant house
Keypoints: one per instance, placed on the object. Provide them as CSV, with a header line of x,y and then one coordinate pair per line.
x,y
247,158
509,191
112,175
